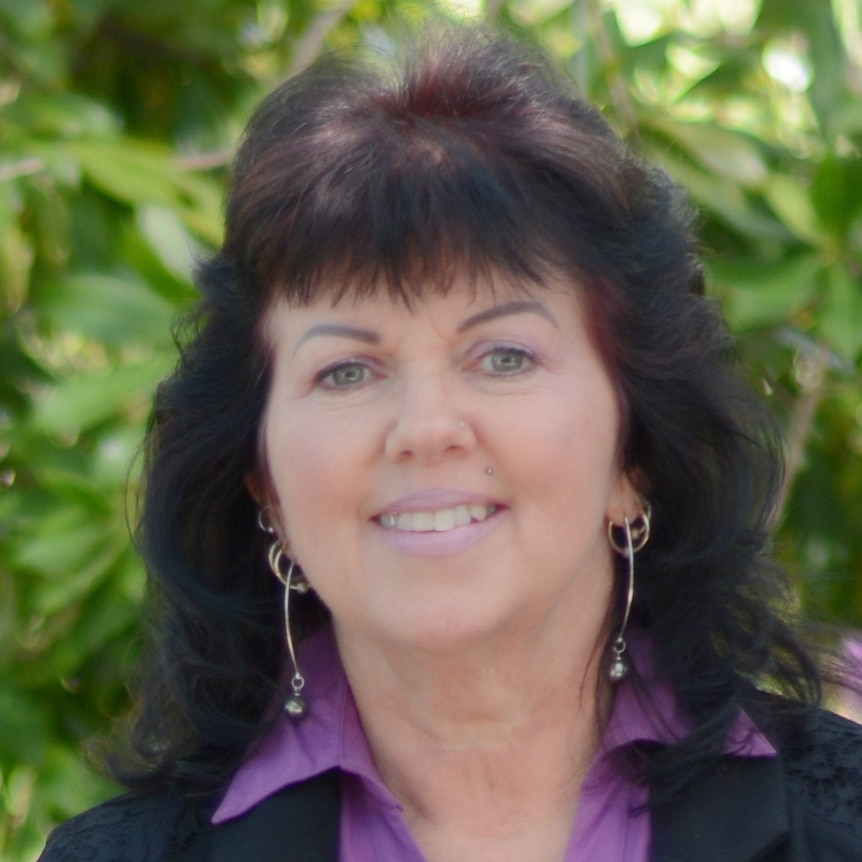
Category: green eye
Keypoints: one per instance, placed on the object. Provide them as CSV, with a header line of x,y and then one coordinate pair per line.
x,y
344,376
508,360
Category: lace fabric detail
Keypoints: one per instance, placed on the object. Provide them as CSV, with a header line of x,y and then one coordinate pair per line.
x,y
824,771
133,829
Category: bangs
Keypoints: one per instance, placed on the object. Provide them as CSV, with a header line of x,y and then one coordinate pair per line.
x,y
396,203
420,217
353,178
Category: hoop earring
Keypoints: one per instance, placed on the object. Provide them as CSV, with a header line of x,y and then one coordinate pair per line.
x,y
636,537
295,704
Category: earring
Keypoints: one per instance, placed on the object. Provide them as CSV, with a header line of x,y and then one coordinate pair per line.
x,y
295,704
636,537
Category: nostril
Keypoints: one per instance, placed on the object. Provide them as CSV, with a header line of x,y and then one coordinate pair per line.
x,y
428,433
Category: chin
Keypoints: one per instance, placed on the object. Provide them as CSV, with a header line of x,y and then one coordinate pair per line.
x,y
445,632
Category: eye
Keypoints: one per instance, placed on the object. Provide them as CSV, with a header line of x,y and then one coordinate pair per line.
x,y
507,361
345,375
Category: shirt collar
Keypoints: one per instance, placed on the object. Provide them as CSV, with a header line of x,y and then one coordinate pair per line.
x,y
648,712
330,736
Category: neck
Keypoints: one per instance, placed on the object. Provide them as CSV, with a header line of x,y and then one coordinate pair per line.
x,y
482,740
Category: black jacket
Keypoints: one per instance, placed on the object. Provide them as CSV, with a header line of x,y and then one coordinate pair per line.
x,y
803,806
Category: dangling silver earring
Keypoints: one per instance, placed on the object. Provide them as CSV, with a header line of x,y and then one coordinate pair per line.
x,y
636,537
295,704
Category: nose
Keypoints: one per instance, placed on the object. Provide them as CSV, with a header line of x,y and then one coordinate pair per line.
x,y
428,424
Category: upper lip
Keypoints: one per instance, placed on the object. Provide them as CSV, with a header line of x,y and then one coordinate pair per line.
x,y
435,499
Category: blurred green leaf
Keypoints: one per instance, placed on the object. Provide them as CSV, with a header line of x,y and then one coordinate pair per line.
x,y
141,173
81,402
841,315
116,312
726,153
63,115
23,727
770,294
725,202
792,203
169,239
835,193
132,171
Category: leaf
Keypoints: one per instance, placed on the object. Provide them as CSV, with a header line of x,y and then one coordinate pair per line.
x,y
82,575
791,202
813,24
63,540
835,193
139,172
67,784
841,315
115,451
81,402
108,615
168,237
759,294
118,312
16,260
66,115
128,171
731,154
138,252
23,727
726,202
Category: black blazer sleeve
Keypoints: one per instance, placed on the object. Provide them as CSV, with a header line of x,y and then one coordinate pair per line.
x,y
133,828
803,806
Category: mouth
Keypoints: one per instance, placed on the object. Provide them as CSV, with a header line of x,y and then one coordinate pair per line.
x,y
438,520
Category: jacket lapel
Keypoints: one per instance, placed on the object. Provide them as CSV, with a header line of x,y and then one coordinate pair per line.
x,y
298,824
734,812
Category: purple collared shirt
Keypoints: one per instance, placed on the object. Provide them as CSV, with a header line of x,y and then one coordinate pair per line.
x,y
610,825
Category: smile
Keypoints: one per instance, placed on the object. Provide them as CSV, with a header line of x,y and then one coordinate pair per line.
x,y
440,521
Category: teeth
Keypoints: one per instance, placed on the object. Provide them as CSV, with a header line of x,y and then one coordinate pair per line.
x,y
421,522
440,521
479,513
462,516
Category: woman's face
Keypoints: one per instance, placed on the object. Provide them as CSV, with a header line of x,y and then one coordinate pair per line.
x,y
444,474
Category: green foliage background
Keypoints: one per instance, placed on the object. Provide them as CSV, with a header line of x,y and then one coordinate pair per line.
x,y
117,121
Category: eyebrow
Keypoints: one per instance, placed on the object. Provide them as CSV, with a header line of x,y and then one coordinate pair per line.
x,y
368,336
515,307
365,335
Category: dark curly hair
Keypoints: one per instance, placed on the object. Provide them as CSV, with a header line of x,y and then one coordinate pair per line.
x,y
467,152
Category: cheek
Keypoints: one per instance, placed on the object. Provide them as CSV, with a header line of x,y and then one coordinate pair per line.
x,y
313,473
569,440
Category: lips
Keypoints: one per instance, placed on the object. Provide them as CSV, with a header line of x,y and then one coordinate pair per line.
x,y
437,520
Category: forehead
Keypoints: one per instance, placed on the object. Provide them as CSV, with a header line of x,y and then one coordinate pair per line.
x,y
461,304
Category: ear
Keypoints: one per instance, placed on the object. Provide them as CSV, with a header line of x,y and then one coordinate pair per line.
x,y
625,500
255,487
258,489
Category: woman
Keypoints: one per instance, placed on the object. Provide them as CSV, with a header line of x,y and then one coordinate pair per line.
x,y
454,383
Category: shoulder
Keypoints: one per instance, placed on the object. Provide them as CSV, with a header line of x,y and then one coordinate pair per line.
x,y
822,765
803,805
134,828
